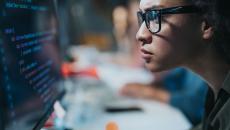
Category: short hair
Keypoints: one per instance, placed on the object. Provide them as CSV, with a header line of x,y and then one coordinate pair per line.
x,y
217,14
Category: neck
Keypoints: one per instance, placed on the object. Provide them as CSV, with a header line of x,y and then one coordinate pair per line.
x,y
212,68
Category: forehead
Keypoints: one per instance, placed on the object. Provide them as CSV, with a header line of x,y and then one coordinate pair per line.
x,y
147,4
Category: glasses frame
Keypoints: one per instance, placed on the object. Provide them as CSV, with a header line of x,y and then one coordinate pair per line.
x,y
164,11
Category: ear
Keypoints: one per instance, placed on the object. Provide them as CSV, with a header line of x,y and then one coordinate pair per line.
x,y
207,31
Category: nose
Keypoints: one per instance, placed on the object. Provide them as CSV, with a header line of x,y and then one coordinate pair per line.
x,y
143,35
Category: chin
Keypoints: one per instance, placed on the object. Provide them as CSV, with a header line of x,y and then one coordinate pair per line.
x,y
153,67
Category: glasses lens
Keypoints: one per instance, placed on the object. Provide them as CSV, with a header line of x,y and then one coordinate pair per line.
x,y
140,19
153,21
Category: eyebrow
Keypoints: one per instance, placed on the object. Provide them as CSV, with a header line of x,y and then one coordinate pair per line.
x,y
152,8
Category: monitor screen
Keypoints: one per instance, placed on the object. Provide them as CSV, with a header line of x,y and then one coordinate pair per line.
x,y
29,63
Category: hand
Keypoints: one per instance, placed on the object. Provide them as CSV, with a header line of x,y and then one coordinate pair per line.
x,y
136,90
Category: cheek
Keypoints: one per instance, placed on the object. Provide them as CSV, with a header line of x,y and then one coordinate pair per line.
x,y
169,47
164,51
174,45
161,47
180,37
167,43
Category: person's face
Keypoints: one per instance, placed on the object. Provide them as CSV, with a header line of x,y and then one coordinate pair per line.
x,y
177,44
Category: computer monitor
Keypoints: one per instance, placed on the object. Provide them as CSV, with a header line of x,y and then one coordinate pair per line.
x,y
29,63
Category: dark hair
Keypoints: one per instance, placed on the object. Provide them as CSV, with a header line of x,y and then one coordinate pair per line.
x,y
217,14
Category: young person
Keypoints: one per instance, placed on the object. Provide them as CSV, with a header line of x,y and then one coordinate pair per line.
x,y
193,34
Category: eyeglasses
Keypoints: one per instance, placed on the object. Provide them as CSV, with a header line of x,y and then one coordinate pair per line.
x,y
153,17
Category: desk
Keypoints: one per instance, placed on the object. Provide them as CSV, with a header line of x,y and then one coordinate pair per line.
x,y
155,116
86,105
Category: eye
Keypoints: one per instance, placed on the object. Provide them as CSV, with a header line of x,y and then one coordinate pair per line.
x,y
152,16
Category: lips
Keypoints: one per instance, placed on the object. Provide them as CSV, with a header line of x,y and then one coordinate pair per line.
x,y
146,54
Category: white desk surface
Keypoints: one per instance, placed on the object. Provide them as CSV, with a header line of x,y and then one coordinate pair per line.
x,y
155,116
